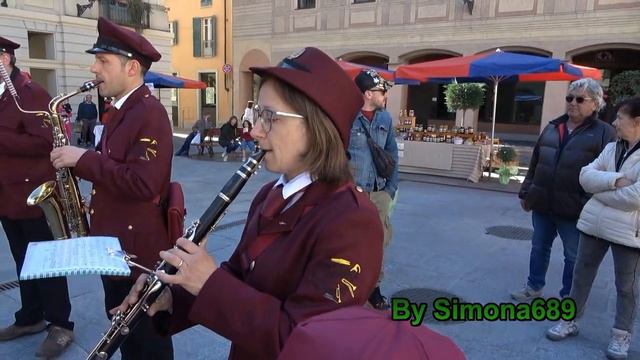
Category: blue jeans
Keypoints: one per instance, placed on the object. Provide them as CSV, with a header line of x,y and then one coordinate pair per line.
x,y
248,145
545,229
184,149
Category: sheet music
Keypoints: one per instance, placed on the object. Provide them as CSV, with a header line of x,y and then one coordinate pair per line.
x,y
78,256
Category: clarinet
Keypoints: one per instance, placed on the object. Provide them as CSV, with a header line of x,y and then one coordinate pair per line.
x,y
122,323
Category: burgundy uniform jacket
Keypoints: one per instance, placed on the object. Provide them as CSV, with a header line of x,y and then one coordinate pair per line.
x,y
355,332
327,256
25,145
130,177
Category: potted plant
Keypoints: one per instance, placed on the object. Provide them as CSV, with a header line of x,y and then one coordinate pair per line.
x,y
507,156
464,96
624,85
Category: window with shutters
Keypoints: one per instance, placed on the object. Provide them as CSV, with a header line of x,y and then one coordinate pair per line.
x,y
173,29
306,4
207,37
204,37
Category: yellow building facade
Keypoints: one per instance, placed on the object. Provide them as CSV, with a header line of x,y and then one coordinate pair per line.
x,y
201,47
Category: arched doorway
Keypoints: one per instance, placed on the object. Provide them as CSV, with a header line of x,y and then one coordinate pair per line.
x,y
248,87
367,58
612,59
427,100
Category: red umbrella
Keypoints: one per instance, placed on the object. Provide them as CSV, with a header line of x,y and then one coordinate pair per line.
x,y
493,66
568,72
160,80
354,69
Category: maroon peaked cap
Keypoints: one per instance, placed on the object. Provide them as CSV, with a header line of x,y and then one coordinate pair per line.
x,y
115,39
322,80
8,46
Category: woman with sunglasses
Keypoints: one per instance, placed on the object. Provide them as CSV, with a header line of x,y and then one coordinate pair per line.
x,y
313,241
610,220
551,189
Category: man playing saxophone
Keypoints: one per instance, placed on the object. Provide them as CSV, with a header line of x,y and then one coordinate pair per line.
x,y
130,171
24,163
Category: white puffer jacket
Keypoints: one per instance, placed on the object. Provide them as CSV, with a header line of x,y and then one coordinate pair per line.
x,y
612,214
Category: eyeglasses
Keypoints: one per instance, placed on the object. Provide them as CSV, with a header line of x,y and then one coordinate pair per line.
x,y
267,116
579,99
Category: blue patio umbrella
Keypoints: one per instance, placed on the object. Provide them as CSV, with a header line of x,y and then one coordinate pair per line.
x,y
169,81
490,66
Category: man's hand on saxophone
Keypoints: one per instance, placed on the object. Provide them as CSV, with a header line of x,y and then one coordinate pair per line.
x,y
66,156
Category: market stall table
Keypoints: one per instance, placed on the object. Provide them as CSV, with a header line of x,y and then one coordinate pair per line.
x,y
464,161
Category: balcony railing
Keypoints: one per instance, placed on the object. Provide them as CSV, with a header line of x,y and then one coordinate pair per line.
x,y
124,13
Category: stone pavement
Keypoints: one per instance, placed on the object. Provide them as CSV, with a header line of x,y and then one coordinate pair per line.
x,y
439,243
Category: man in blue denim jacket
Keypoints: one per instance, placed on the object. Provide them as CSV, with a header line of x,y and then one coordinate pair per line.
x,y
377,121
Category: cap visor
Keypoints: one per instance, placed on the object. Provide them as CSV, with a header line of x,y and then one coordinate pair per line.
x,y
97,50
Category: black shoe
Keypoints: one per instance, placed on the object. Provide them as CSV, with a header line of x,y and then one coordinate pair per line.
x,y
378,301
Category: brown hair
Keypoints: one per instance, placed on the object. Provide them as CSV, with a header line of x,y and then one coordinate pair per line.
x,y
325,159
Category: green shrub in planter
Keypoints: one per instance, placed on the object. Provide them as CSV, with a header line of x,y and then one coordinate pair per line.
x,y
506,154
624,85
464,96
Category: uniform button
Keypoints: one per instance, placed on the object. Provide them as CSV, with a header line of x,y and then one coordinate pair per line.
x,y
359,189
130,227
91,212
93,191
26,180
252,265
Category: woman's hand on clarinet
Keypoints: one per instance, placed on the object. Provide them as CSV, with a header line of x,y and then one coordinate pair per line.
x,y
164,302
194,265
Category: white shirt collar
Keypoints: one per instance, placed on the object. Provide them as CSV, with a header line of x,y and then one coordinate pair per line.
x,y
294,185
2,87
118,104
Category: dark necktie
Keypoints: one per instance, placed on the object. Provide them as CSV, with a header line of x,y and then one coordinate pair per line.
x,y
274,203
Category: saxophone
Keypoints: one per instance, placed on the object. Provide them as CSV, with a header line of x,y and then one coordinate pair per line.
x,y
122,323
60,200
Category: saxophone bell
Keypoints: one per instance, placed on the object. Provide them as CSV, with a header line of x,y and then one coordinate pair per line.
x,y
44,196
60,200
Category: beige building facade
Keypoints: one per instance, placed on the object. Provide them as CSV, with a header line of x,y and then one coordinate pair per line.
x,y
201,47
54,35
386,33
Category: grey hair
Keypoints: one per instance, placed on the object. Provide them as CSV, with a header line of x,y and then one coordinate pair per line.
x,y
592,88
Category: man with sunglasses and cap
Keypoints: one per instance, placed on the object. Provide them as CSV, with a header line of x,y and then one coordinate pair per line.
x,y
25,144
551,189
130,170
373,120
